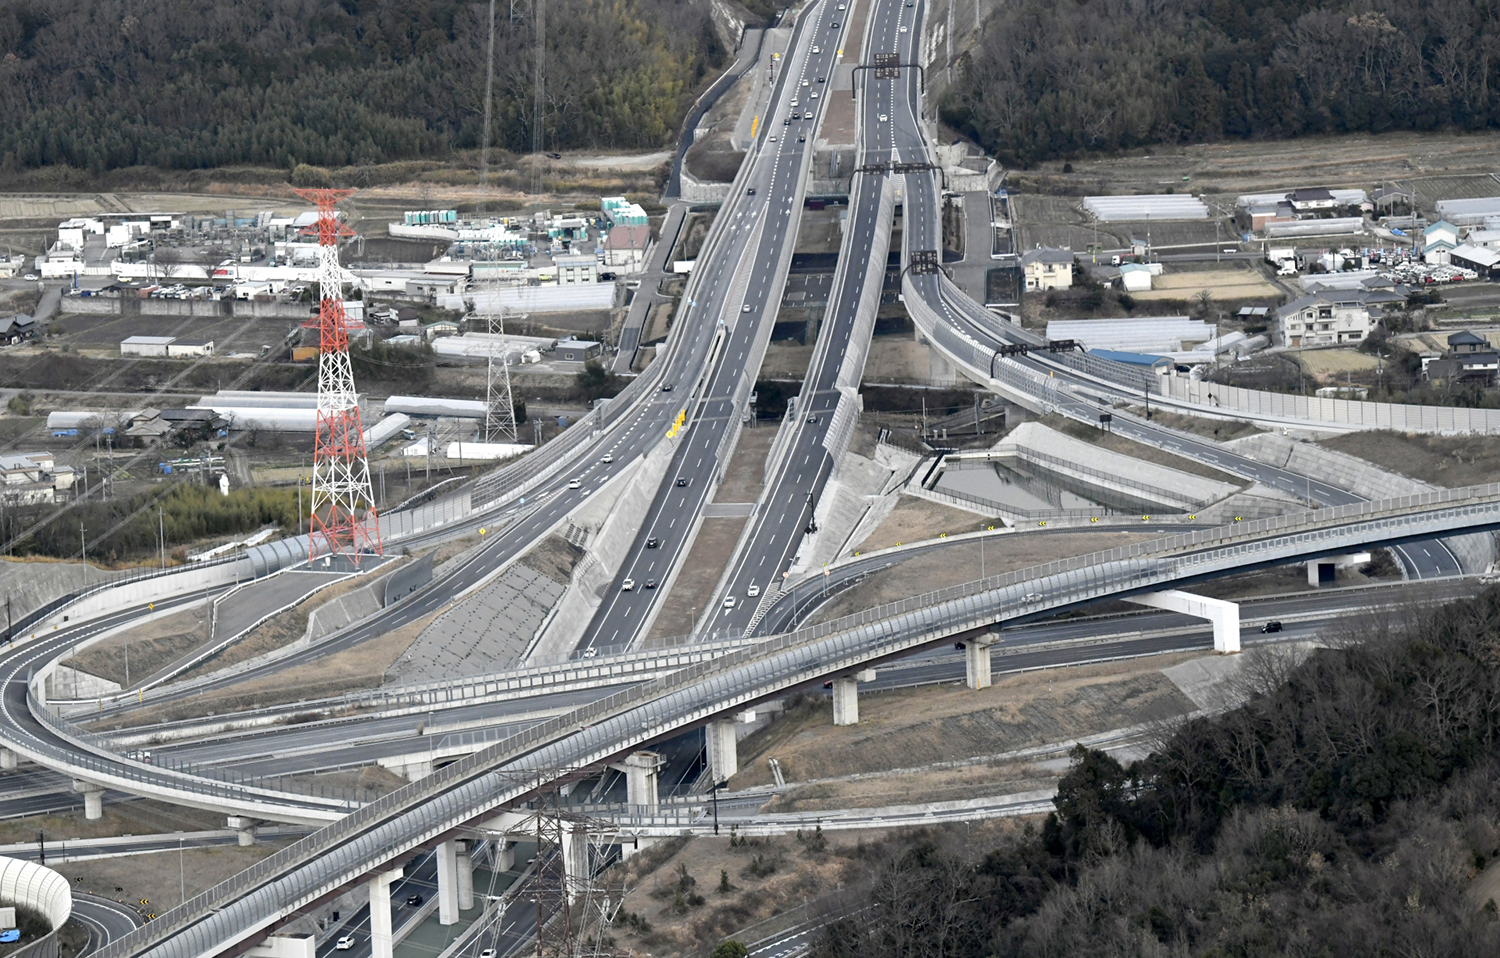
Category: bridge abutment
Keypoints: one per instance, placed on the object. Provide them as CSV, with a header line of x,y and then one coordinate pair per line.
x,y
1323,570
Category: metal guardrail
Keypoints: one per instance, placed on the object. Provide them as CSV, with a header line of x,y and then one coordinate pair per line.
x,y
95,754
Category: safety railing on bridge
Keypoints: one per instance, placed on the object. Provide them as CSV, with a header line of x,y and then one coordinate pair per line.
x,y
892,629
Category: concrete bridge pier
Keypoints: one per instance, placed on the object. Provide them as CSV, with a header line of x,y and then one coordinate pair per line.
x,y
977,671
640,770
381,945
246,828
723,749
447,882
465,877
93,799
8,760
575,856
846,696
1225,616
502,855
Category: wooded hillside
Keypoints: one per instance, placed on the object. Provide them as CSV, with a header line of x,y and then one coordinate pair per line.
x,y
1051,80
1349,808
105,84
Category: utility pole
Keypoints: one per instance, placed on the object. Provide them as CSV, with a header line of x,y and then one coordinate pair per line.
x,y
161,528
83,547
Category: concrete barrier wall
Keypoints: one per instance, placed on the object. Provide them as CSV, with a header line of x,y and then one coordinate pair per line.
x,y
145,590
344,611
1341,413
42,890
205,308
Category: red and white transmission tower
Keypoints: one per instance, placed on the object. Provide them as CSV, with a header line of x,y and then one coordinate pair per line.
x,y
341,471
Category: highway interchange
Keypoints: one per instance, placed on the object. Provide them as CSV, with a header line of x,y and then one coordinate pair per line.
x,y
726,313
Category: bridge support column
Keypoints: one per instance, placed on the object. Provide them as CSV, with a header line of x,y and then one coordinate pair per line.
x,y
380,913
575,856
246,828
723,749
93,799
1225,616
846,696
977,671
465,878
1321,571
447,882
8,760
640,778
503,855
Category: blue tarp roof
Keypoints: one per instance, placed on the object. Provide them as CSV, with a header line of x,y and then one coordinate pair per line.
x,y
1134,359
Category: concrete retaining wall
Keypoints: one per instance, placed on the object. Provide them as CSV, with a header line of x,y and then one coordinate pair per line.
x,y
636,488
142,591
204,308
344,611
695,190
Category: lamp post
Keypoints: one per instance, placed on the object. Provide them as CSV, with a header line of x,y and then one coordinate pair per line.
x,y
714,791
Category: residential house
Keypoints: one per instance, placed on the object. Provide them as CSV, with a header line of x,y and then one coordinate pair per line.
x,y
1046,269
1470,359
626,248
15,328
1331,317
32,478
1311,200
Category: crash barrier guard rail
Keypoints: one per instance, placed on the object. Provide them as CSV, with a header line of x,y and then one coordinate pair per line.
x,y
893,629
94,754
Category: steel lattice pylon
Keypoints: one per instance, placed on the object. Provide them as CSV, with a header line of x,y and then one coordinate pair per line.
x,y
341,471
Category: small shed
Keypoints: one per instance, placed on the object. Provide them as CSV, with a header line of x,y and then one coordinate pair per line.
x,y
577,350
1135,277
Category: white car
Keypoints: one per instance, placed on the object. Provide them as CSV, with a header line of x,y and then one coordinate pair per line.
x,y
813,95
903,29
882,118
753,591
608,458
487,953
817,49
344,943
588,653
628,585
729,602
1032,597
29,277
805,83
794,103
576,483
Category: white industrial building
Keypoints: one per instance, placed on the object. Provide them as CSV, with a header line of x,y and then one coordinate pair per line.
x,y
1147,334
1161,207
480,347
1472,212
150,346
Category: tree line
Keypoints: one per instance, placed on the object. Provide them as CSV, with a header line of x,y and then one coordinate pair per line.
x,y
1344,810
106,84
1051,80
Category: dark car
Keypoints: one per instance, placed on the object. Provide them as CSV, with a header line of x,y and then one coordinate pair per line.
x,y
650,583
666,387
822,79
802,139
414,900
812,420
682,480
1272,626
750,191
558,156
834,25
653,542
